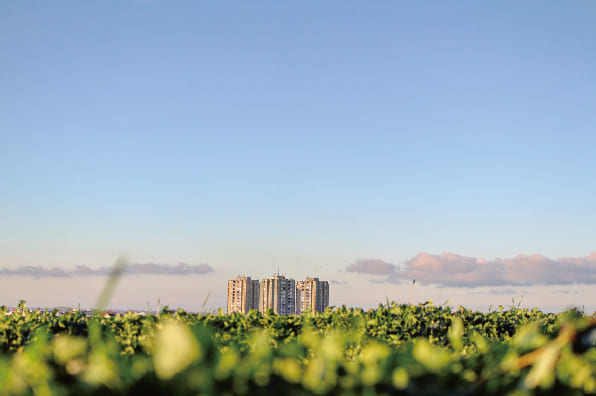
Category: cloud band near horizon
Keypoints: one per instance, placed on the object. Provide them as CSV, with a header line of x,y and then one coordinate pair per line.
x,y
453,270
132,269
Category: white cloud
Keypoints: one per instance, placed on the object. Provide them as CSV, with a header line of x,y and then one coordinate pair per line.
x,y
453,270
133,268
371,266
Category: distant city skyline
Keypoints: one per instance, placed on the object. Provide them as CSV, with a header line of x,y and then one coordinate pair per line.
x,y
367,144
284,296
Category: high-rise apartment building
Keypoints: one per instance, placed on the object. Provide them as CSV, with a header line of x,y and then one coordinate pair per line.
x,y
243,294
279,294
312,295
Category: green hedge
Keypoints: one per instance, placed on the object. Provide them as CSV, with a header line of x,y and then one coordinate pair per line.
x,y
394,349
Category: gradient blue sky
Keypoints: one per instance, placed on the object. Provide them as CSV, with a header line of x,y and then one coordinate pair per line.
x,y
250,136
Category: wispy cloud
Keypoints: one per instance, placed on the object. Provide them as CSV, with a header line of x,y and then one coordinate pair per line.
x,y
566,292
371,266
132,269
501,290
453,270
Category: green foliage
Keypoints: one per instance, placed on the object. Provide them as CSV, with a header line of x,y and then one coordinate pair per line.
x,y
394,349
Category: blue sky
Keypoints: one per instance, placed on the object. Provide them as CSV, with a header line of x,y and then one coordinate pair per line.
x,y
307,137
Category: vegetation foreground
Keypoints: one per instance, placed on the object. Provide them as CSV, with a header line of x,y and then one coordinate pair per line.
x,y
392,350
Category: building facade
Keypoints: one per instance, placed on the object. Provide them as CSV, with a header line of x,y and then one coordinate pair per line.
x,y
278,293
312,294
243,294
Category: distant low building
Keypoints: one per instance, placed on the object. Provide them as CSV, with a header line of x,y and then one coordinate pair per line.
x,y
108,314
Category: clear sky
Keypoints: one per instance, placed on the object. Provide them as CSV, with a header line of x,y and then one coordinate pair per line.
x,y
355,141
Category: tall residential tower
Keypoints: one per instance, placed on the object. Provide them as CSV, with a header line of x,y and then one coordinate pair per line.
x,y
243,294
312,295
279,294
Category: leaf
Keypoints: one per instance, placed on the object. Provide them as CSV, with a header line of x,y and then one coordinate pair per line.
x,y
175,349
543,372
